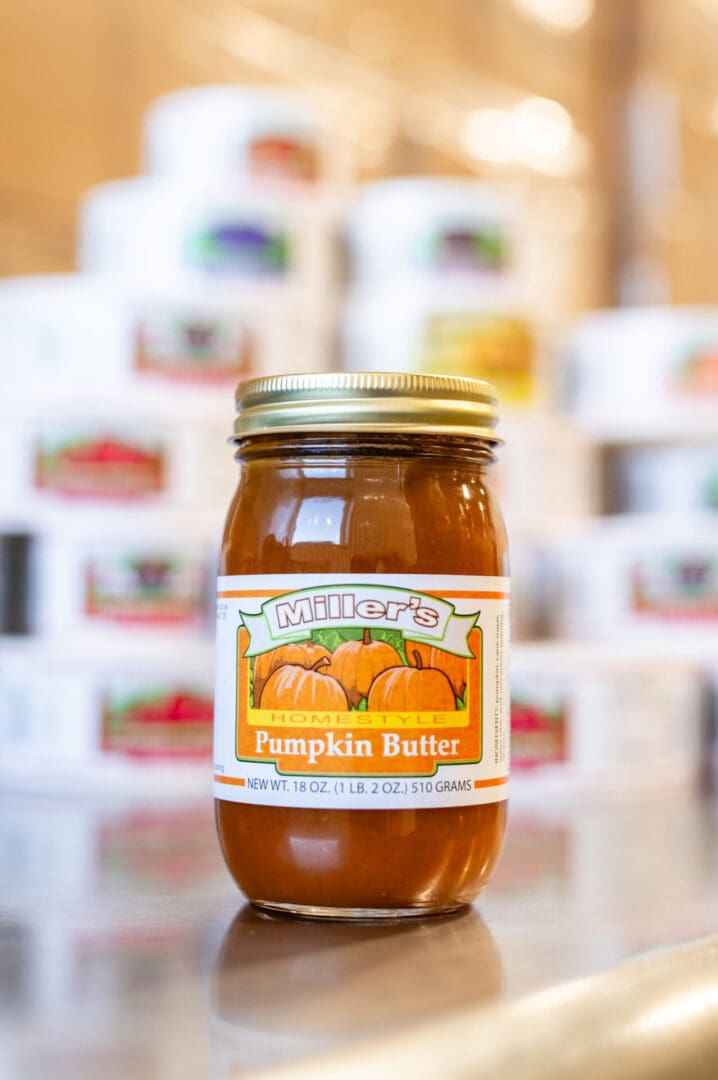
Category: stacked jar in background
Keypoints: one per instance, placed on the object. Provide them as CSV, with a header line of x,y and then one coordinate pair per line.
x,y
636,585
117,474
440,284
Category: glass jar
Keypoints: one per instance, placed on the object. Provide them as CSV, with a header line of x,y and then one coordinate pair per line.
x,y
361,717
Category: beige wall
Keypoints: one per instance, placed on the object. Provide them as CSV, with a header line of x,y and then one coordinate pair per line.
x,y
76,74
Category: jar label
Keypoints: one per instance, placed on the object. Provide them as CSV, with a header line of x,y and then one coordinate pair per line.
x,y
362,691
696,373
679,587
191,347
498,347
238,246
282,157
167,722
146,588
92,465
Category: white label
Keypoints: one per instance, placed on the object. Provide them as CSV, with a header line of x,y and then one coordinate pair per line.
x,y
362,691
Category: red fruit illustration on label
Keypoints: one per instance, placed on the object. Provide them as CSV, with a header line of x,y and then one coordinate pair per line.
x,y
302,653
282,157
697,374
104,467
294,687
454,667
538,734
355,664
174,724
415,689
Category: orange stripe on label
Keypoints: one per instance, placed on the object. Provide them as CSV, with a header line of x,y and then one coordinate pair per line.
x,y
238,781
237,594
226,594
495,781
474,595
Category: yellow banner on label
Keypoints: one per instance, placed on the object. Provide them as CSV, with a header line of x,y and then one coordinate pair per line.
x,y
363,721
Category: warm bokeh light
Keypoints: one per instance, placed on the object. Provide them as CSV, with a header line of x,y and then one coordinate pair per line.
x,y
488,136
536,133
562,16
541,127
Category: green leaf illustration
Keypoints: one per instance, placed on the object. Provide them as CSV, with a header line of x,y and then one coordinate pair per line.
x,y
330,638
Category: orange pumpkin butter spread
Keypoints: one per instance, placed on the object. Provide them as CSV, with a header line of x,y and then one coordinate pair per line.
x,y
361,708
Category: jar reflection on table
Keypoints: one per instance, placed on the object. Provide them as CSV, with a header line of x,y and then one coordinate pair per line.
x,y
283,989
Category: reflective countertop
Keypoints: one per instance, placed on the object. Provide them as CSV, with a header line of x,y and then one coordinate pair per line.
x,y
126,950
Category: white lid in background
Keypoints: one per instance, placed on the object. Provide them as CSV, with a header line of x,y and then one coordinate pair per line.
x,y
626,328
394,224
144,409
137,194
644,373
650,531
159,658
424,294
145,227
51,288
88,308
193,340
572,658
203,130
71,293
204,521
86,529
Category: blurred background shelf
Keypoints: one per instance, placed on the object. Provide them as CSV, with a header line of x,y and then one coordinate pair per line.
x,y
193,192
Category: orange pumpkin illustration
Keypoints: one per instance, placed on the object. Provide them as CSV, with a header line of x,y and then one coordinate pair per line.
x,y
294,687
303,653
454,667
415,689
355,664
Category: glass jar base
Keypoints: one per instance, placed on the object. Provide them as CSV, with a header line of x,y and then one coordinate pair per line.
x,y
358,914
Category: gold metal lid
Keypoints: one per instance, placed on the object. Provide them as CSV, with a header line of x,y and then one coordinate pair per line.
x,y
367,401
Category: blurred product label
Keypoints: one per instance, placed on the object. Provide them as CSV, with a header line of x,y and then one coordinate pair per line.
x,y
710,492
157,722
495,347
281,157
193,348
239,247
99,465
472,249
538,731
152,847
697,372
668,587
146,589
681,477
106,961
537,855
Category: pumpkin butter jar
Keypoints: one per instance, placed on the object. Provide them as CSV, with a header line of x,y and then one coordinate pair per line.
x,y
361,717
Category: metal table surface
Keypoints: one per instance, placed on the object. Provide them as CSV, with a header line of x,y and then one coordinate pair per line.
x,y
126,951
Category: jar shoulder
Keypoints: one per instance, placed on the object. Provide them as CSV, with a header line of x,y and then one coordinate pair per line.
x,y
375,516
